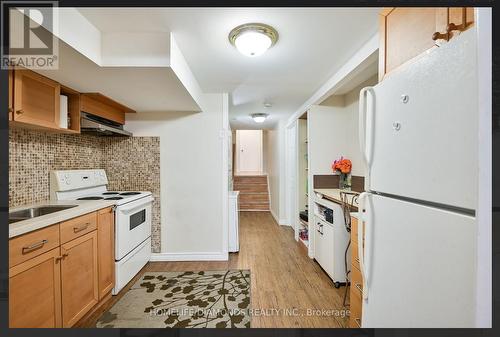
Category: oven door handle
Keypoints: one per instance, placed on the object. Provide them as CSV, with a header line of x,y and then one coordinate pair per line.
x,y
128,208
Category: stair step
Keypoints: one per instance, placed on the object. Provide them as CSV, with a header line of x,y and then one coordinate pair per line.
x,y
260,207
251,179
253,197
254,194
250,187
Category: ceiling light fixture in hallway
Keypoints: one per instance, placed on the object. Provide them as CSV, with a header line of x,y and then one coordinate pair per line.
x,y
259,117
253,39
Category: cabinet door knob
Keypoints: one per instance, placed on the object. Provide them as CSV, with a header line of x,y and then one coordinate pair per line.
x,y
451,27
439,36
19,112
11,110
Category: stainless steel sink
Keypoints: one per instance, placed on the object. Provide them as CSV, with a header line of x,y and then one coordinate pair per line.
x,y
34,212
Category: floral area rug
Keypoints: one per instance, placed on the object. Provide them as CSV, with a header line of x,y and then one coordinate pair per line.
x,y
204,299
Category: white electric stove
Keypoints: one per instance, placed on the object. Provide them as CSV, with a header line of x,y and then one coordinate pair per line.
x,y
132,217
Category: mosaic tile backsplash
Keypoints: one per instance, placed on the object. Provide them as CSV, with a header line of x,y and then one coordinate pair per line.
x,y
131,163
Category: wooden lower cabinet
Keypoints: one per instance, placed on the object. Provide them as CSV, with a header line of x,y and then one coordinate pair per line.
x,y
35,292
355,318
57,287
79,274
356,288
106,250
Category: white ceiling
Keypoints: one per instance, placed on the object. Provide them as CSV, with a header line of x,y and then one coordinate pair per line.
x,y
313,44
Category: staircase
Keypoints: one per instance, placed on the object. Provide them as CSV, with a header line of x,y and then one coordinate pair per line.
x,y
254,194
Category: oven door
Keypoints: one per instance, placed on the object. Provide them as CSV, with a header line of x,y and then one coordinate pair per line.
x,y
133,225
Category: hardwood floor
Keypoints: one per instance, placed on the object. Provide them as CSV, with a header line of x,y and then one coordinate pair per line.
x,y
286,284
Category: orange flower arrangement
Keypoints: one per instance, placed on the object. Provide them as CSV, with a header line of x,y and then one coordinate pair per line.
x,y
342,165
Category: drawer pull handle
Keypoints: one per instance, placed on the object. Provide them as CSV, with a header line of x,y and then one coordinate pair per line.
x,y
19,112
358,322
358,286
34,246
81,228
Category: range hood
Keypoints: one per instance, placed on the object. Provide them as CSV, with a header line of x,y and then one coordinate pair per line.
x,y
101,126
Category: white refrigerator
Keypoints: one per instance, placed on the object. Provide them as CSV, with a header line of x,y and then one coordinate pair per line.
x,y
419,138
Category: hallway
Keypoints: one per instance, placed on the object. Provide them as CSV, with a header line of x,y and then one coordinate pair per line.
x,y
283,278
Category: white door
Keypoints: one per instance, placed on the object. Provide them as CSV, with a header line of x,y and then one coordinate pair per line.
x,y
249,151
424,140
316,225
419,266
327,249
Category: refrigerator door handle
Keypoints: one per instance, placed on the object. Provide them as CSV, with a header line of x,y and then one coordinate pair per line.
x,y
362,129
361,244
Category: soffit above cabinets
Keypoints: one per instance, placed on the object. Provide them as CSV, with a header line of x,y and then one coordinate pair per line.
x,y
144,89
144,70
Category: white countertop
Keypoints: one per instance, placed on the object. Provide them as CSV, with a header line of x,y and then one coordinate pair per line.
x,y
333,194
29,225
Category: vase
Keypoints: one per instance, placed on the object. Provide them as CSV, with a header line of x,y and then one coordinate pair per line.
x,y
343,181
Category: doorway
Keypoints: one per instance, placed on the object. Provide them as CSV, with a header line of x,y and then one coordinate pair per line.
x,y
248,152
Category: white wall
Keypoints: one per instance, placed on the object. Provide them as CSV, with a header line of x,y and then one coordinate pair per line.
x,y
333,132
272,142
192,178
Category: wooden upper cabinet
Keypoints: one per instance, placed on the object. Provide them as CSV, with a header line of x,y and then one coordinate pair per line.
x,y
36,99
79,277
106,250
35,292
407,32
11,94
459,19
35,103
105,107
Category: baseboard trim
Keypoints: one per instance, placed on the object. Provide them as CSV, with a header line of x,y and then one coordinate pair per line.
x,y
189,257
281,222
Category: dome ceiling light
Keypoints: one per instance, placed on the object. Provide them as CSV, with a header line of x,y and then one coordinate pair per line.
x,y
253,39
259,118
